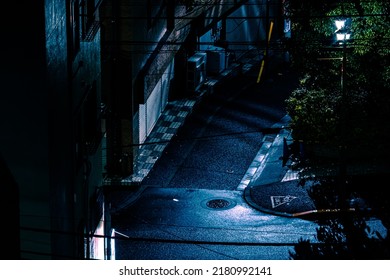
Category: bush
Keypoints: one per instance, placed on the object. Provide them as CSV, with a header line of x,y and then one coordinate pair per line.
x,y
313,115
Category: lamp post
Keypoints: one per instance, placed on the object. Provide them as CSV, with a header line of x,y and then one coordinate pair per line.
x,y
342,35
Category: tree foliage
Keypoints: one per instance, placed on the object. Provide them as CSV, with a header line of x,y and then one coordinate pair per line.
x,y
347,234
314,115
317,107
352,240
354,113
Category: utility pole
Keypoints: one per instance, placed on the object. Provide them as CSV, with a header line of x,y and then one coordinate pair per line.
x,y
268,28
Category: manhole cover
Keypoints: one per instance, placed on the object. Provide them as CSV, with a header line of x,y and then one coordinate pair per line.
x,y
219,203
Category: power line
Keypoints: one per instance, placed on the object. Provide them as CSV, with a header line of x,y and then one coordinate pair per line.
x,y
208,3
249,17
174,241
173,140
231,43
226,3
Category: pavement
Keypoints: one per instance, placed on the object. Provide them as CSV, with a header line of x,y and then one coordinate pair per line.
x,y
275,188
269,185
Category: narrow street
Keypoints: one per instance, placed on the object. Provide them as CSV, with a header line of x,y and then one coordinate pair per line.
x,y
221,137
181,223
189,205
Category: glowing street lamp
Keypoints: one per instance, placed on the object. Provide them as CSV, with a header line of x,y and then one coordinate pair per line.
x,y
342,33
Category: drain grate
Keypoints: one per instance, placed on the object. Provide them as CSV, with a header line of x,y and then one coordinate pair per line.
x,y
219,203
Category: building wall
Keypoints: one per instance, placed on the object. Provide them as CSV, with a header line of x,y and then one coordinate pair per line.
x,y
248,26
74,74
43,92
245,28
61,174
132,50
84,78
247,33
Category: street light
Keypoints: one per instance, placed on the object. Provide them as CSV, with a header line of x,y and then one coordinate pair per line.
x,y
342,31
342,35
341,25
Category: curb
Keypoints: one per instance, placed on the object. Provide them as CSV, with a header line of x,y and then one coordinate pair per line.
x,y
130,199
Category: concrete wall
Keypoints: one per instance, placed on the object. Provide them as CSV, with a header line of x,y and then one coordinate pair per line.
x,y
151,110
134,40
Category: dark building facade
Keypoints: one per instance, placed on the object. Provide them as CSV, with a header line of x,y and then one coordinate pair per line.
x,y
51,133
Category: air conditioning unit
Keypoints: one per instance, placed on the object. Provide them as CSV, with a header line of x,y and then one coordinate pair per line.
x,y
216,60
196,71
